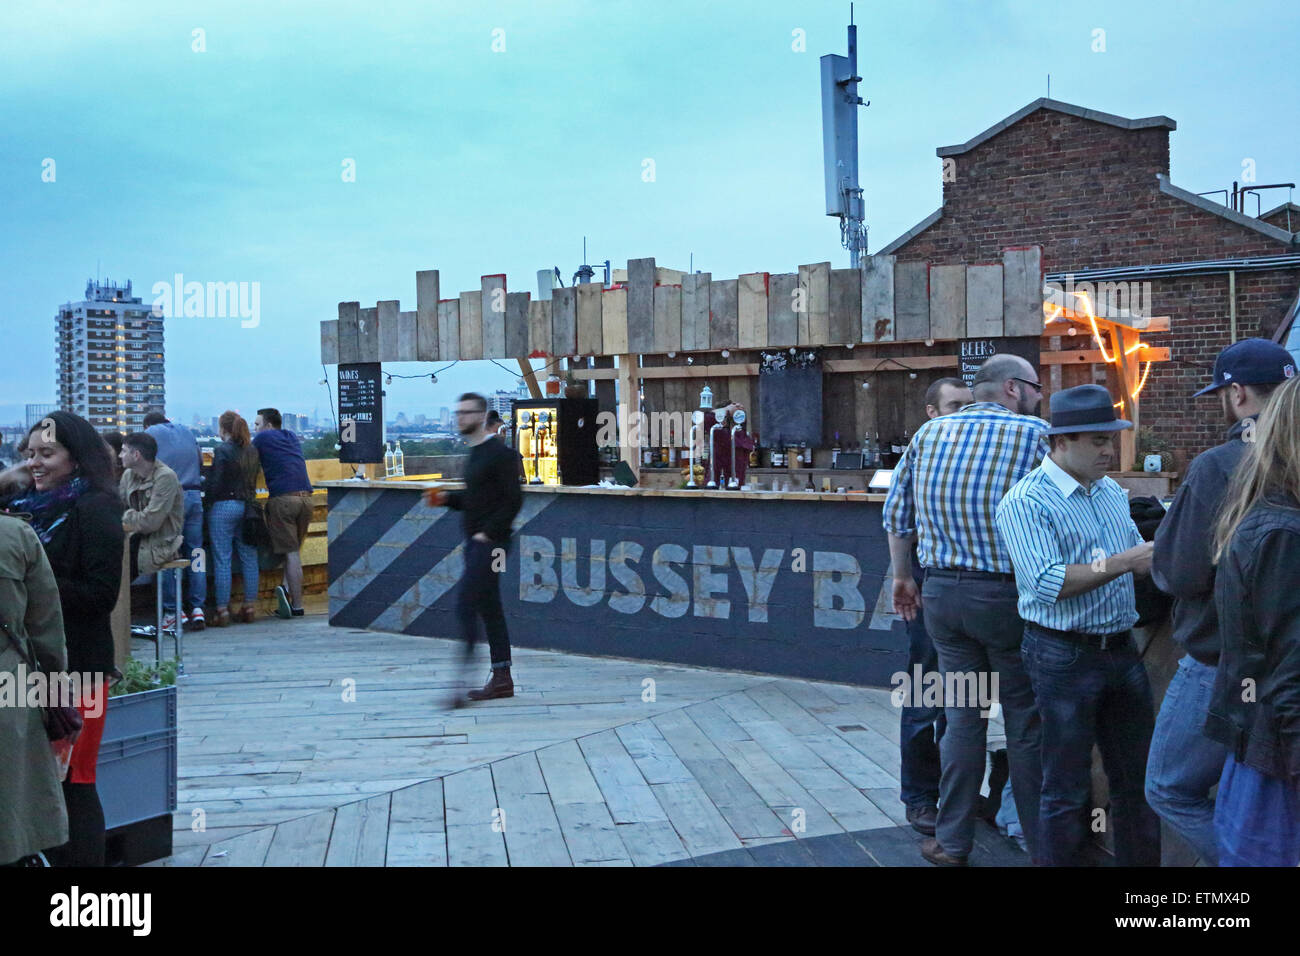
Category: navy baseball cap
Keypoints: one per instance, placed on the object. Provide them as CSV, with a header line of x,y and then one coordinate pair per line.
x,y
1251,362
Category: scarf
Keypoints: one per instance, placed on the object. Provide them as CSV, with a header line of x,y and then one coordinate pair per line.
x,y
50,508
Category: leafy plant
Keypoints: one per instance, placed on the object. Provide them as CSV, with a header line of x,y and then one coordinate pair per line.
x,y
138,676
1149,443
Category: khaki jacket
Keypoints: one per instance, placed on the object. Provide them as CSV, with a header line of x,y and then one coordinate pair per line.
x,y
155,509
32,815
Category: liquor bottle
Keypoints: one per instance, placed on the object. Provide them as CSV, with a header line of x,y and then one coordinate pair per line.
x,y
389,463
835,451
399,461
896,446
663,456
647,456
672,448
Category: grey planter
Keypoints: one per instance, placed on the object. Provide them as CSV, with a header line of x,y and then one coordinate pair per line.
x,y
136,777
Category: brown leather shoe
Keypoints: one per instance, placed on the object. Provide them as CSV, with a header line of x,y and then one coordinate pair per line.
x,y
932,851
498,685
248,614
220,619
923,819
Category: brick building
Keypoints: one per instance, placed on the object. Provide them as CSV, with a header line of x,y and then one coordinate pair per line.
x,y
1093,190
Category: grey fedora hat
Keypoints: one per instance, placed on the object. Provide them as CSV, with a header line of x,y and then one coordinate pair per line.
x,y
1084,408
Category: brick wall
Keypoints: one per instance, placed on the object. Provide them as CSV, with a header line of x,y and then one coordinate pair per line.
x,y
1087,193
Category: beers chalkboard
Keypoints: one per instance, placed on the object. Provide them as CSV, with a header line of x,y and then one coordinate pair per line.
x,y
972,352
361,413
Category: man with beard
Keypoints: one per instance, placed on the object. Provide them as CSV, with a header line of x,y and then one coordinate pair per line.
x,y
488,504
943,497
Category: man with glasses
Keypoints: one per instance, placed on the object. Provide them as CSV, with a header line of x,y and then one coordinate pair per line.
x,y
943,498
488,505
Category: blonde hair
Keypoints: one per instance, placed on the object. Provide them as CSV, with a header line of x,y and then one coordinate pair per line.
x,y
1271,466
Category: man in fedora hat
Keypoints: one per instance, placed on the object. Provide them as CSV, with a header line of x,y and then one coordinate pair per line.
x,y
1075,549
1184,764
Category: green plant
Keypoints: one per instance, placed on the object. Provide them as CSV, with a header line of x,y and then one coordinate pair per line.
x,y
139,675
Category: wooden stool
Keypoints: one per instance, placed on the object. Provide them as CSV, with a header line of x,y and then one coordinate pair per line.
x,y
179,565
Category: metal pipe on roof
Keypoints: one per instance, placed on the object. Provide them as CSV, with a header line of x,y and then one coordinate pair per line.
x,y
1202,267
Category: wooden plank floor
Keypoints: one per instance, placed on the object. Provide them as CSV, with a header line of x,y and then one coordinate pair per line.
x,y
306,745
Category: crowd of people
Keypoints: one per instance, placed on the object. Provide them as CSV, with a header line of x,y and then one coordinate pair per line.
x,y
84,514
1028,563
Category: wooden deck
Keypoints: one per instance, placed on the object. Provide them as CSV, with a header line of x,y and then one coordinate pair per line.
x,y
305,745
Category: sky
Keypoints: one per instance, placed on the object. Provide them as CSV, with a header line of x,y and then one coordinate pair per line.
x,y
212,140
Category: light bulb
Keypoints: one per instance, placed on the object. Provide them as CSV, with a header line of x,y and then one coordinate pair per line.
x,y
690,360
911,375
726,353
929,343
866,384
672,355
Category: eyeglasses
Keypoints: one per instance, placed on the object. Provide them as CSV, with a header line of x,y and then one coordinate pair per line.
x,y
472,411
1036,386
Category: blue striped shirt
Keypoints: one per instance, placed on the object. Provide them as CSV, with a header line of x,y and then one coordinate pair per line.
x,y
949,483
1048,520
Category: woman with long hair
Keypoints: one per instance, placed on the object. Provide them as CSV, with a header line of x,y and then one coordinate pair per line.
x,y
1255,709
230,485
65,488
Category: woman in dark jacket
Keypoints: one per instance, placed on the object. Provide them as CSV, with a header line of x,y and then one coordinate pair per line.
x,y
65,486
1255,709
228,487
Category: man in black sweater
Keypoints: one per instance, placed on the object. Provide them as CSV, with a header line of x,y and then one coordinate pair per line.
x,y
488,504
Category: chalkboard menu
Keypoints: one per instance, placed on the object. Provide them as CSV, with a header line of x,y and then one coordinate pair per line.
x,y
972,352
361,413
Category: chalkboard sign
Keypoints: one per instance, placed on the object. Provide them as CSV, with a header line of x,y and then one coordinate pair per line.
x,y
972,352
361,413
790,400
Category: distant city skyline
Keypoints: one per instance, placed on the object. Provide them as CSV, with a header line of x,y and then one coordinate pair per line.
x,y
304,161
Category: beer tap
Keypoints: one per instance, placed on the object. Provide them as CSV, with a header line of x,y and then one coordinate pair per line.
x,y
696,435
738,421
713,452
542,433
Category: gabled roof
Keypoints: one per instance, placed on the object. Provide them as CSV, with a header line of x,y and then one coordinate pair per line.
x,y
1096,116
1241,219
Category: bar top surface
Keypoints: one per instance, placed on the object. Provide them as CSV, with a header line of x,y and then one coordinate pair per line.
x,y
380,484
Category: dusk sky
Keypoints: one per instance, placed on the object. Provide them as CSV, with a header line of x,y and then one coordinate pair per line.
x,y
226,164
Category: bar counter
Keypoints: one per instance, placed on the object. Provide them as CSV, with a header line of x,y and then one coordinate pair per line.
x,y
784,583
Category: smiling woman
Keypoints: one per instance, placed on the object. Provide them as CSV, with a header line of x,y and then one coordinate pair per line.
x,y
65,490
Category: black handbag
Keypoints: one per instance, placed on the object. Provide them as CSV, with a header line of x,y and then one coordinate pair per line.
x,y
253,530
62,721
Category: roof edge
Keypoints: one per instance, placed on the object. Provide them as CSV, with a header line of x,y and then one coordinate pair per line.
x,y
1273,232
912,233
1110,119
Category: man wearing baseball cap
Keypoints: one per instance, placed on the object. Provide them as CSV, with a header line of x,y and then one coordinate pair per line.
x,y
1185,764
1076,550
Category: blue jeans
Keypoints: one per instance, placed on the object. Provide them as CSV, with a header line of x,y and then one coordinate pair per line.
x,y
1086,695
1184,764
225,521
1257,818
920,728
198,580
977,630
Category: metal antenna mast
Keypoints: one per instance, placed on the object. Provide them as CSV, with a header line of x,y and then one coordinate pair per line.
x,y
840,102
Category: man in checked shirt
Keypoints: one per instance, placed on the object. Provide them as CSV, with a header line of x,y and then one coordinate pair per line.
x,y
944,496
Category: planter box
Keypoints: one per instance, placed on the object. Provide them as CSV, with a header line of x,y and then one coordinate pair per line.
x,y
136,778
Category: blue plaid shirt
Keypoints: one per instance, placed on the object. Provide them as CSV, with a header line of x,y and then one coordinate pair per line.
x,y
1048,520
947,487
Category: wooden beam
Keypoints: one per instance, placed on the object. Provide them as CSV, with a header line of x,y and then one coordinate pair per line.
x,y
526,370
1071,320
627,406
1094,356
735,369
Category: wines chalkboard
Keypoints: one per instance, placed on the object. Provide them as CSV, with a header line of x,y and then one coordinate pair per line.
x,y
361,413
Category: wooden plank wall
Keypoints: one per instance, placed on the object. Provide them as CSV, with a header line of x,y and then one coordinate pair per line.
x,y
493,291
388,312
448,330
471,325
782,319
590,339
564,321
695,311
517,307
751,310
539,328
877,299
426,316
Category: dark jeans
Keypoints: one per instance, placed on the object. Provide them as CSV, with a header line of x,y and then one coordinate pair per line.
x,y
480,597
920,728
1085,696
976,630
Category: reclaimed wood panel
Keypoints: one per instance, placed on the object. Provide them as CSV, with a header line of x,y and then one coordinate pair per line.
x,y
389,311
470,800
493,289
426,316
911,301
815,283
417,831
532,830
845,320
539,328
564,321
676,401
407,337
349,333
695,311
722,314
947,302
517,324
360,834
471,325
448,330
667,318
368,335
590,339
640,304
652,391
782,319
878,299
329,342
983,301
613,320
1022,291
751,310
